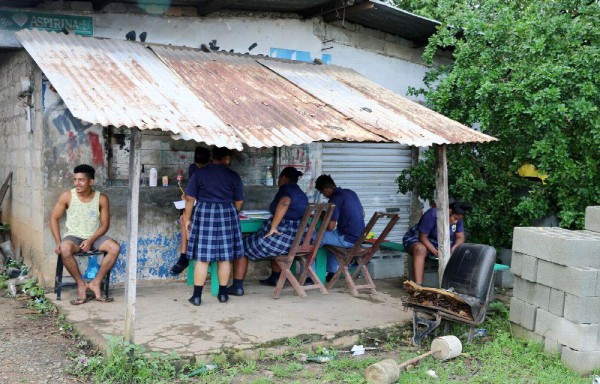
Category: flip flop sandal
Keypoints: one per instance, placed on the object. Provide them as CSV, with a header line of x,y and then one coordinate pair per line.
x,y
104,299
79,301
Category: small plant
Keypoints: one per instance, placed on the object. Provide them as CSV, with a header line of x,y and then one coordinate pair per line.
x,y
126,363
287,370
248,367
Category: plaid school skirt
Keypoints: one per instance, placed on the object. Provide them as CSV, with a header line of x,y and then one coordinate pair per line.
x,y
215,234
256,247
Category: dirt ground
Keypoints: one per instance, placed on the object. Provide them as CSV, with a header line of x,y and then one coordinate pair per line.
x,y
33,349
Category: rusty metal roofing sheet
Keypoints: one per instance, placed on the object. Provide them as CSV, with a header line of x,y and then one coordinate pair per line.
x,y
261,107
228,99
122,83
376,108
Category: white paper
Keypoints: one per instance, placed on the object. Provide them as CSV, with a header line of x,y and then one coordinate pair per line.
x,y
358,350
179,204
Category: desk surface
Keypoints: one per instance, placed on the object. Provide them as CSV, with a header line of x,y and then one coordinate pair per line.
x,y
251,225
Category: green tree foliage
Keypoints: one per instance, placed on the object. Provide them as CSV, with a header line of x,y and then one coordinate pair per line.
x,y
528,74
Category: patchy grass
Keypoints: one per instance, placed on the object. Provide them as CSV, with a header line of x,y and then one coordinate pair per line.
x,y
495,358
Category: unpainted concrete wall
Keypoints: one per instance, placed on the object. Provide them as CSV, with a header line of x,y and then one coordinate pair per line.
x,y
21,144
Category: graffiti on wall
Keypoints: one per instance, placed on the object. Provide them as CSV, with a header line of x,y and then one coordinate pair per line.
x,y
75,133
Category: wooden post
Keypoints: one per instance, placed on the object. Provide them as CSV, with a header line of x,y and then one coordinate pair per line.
x,y
135,169
443,213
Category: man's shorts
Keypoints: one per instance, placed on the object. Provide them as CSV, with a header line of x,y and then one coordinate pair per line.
x,y
78,240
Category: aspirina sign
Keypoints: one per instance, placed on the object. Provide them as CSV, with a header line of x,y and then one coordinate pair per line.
x,y
17,20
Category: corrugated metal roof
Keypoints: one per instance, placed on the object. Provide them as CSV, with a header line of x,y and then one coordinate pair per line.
x,y
122,83
263,108
377,109
228,99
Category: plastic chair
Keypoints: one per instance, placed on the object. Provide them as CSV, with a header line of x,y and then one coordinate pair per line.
x,y
361,253
58,283
304,250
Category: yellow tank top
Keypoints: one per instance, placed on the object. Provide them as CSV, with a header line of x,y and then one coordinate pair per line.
x,y
83,219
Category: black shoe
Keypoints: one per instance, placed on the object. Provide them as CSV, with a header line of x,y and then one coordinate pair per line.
x,y
180,266
329,276
309,281
195,300
269,281
223,298
235,291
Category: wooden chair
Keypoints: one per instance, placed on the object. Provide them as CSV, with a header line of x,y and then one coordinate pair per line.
x,y
360,254
304,250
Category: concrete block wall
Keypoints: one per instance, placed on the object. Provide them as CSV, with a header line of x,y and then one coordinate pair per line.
x,y
20,153
556,293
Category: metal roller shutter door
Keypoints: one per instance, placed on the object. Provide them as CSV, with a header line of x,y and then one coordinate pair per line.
x,y
371,170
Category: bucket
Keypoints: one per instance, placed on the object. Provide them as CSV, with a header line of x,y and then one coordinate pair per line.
x,y
7,250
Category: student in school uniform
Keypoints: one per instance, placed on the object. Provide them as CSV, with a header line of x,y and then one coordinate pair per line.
x,y
277,234
214,229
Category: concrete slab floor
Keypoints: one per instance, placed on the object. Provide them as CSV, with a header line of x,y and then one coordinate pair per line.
x,y
166,322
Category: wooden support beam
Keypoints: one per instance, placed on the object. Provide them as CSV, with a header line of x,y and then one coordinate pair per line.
x,y
343,12
100,4
135,168
443,212
213,6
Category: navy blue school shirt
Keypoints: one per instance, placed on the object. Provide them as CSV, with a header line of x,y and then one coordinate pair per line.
x,y
191,170
298,203
348,213
216,183
428,225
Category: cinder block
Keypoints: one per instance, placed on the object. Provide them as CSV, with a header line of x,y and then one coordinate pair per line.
x,y
516,310
522,333
582,310
557,302
535,294
551,344
529,270
516,266
592,219
582,337
528,316
559,245
386,268
504,279
581,362
577,281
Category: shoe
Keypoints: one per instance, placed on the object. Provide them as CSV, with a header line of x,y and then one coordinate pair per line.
x,y
269,281
180,266
309,281
223,298
329,276
235,291
195,300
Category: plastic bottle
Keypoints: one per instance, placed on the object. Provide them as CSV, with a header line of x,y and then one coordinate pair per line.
x,y
92,268
143,176
165,181
179,176
153,182
269,177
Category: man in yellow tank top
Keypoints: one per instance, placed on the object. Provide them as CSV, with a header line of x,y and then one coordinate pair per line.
x,y
88,220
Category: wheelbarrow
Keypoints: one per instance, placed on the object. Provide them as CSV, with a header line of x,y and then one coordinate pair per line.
x,y
466,290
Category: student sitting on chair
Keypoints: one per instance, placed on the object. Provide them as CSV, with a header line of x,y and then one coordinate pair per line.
x,y
88,219
421,239
277,234
346,224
